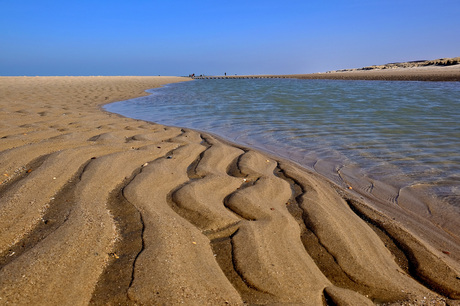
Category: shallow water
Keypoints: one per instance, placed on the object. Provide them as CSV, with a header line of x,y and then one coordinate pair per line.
x,y
400,133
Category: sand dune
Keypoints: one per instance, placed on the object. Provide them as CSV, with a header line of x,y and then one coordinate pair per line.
x,y
97,208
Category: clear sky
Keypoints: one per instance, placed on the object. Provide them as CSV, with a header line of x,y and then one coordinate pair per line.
x,y
175,37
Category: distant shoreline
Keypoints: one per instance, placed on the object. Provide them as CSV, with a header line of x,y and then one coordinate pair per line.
x,y
442,62
427,73
440,70
443,69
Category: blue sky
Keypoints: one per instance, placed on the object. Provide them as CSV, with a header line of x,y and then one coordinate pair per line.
x,y
213,37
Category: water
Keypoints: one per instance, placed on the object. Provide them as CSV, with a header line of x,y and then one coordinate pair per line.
x,y
401,133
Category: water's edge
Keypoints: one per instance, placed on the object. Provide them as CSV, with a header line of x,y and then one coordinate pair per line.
x,y
414,197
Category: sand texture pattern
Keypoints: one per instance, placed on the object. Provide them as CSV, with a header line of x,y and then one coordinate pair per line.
x,y
100,209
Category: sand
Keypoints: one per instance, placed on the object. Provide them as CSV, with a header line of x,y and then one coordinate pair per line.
x,y
426,73
97,209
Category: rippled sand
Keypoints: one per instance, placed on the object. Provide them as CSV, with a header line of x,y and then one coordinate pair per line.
x,y
97,208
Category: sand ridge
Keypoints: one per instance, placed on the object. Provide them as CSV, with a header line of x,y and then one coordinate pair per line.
x,y
96,208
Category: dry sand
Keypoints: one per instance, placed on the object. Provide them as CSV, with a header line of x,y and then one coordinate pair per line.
x,y
97,208
426,73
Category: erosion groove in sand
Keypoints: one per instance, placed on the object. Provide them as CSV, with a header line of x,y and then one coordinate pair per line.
x,y
97,208
413,257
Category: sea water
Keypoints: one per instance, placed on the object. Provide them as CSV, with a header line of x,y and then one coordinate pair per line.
x,y
401,133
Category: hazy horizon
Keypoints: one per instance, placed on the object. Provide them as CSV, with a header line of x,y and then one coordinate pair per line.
x,y
213,38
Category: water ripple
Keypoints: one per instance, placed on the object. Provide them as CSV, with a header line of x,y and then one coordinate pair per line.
x,y
413,127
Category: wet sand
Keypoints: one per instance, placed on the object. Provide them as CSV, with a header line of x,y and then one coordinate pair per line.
x,y
97,208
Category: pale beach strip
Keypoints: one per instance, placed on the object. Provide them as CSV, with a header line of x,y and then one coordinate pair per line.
x,y
426,73
96,208
431,73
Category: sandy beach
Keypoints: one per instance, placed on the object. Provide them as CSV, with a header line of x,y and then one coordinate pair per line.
x,y
100,209
431,73
426,73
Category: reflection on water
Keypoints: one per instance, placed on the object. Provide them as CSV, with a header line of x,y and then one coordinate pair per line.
x,y
401,133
